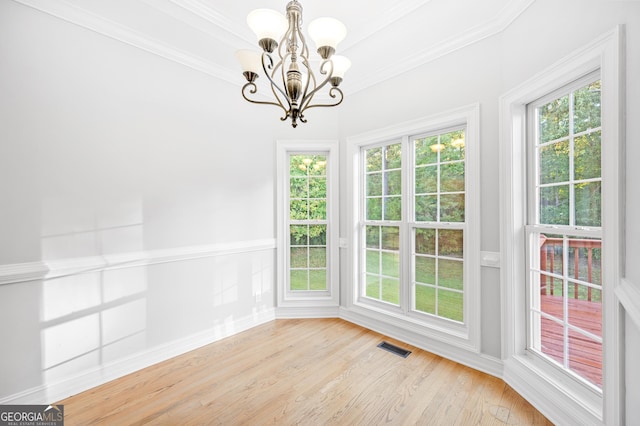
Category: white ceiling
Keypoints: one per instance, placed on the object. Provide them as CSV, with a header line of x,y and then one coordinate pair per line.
x,y
384,37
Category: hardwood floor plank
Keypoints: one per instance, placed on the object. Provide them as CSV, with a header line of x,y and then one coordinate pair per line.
x,y
319,371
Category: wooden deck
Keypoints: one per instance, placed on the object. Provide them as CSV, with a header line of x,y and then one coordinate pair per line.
x,y
584,354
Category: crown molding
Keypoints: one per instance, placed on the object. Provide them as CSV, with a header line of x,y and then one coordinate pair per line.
x,y
430,53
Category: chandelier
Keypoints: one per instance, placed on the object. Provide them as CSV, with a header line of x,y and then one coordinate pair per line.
x,y
285,61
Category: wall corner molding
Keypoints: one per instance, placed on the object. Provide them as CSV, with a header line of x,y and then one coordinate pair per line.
x,y
629,296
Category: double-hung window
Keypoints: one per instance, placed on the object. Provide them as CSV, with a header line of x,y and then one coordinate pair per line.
x,y
308,226
564,229
416,245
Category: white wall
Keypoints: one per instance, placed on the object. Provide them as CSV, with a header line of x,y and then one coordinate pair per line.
x,y
140,192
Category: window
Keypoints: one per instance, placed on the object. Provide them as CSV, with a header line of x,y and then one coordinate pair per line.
x,y
561,234
307,222
416,250
564,230
307,225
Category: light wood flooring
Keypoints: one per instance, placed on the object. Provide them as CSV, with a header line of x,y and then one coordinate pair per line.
x,y
307,372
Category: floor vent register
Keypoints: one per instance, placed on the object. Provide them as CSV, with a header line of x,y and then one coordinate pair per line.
x,y
394,349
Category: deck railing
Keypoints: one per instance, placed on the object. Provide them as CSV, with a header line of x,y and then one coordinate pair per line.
x,y
548,262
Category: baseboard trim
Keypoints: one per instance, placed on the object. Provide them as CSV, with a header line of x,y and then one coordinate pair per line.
x,y
307,312
54,392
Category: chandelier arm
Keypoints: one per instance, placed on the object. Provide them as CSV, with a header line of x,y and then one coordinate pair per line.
x,y
269,66
307,98
331,93
253,90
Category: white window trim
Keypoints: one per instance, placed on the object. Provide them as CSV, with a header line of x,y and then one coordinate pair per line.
x,y
308,303
559,398
465,337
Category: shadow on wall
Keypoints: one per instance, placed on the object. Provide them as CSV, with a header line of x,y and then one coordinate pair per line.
x,y
90,315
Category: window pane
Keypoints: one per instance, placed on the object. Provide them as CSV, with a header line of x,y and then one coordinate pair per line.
x,y
551,339
424,152
452,177
393,156
391,290
391,264
453,146
554,163
373,286
318,209
298,187
587,107
392,183
374,208
452,208
425,270
392,208
426,179
588,208
374,184
450,242
450,305
426,299
584,257
318,279
585,357
450,274
374,159
298,257
390,237
318,187
373,261
298,235
318,257
587,156
584,313
373,236
298,279
554,205
426,208
318,235
554,119
318,167
298,209
550,259
425,241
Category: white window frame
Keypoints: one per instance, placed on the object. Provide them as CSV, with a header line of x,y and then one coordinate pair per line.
x,y
307,303
397,320
562,398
